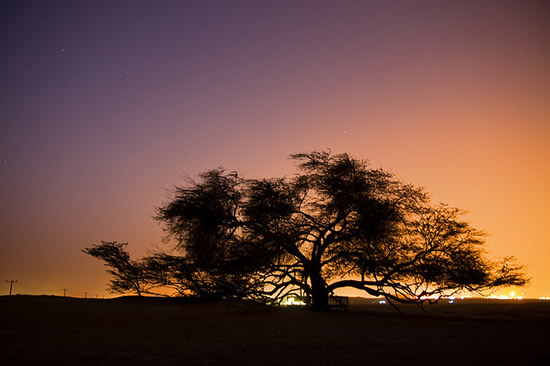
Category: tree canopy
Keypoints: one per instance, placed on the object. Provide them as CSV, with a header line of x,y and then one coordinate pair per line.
x,y
337,223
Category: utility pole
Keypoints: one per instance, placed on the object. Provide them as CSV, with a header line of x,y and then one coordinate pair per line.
x,y
11,284
65,291
85,295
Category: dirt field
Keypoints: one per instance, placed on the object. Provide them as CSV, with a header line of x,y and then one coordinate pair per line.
x,y
41,330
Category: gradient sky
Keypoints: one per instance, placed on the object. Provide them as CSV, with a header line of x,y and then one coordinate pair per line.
x,y
105,105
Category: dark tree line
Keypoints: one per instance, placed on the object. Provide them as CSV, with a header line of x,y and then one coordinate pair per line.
x,y
337,223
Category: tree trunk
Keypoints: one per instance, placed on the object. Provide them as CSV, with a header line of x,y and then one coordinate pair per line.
x,y
319,294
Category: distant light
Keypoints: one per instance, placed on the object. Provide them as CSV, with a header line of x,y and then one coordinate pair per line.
x,y
505,297
292,301
431,297
382,302
544,298
451,301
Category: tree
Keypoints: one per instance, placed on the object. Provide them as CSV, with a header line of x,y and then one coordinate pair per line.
x,y
128,275
337,223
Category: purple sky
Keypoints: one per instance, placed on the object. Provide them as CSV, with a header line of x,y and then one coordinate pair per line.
x,y
104,105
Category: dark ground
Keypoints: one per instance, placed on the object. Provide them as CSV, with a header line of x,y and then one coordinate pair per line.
x,y
42,330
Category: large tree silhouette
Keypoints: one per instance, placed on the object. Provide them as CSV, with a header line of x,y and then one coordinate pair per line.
x,y
337,223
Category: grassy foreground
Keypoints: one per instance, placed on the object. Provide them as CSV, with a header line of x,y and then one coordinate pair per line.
x,y
40,330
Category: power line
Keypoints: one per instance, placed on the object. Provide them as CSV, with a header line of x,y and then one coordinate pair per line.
x,y
11,284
